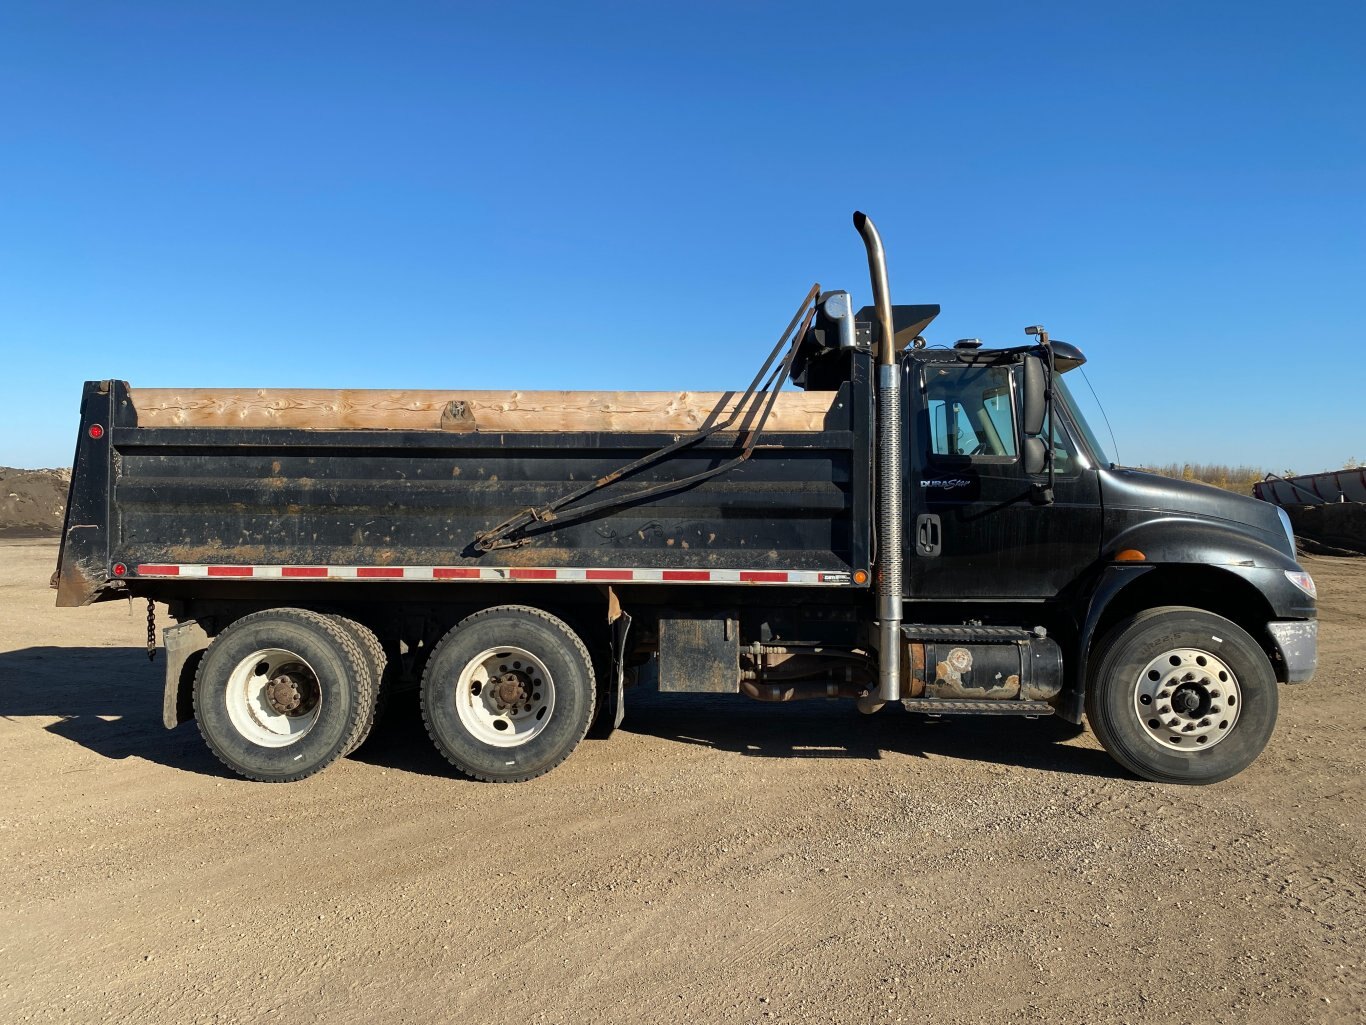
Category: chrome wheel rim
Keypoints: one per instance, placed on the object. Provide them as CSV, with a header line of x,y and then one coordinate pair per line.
x,y
505,696
274,698
1187,699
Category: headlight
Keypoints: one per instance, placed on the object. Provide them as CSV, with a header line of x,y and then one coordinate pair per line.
x,y
1303,581
1289,530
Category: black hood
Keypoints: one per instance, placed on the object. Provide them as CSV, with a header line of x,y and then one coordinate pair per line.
x,y
1131,491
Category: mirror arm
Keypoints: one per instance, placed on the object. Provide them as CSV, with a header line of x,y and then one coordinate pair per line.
x,y
1052,421
1042,494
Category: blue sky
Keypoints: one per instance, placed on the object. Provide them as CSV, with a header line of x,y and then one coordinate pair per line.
x,y
636,195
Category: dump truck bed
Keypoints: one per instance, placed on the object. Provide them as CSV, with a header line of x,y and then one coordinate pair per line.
x,y
376,486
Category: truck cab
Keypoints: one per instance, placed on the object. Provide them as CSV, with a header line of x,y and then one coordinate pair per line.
x,y
985,525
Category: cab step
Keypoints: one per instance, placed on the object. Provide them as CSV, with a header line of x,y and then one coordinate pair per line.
x,y
921,632
942,706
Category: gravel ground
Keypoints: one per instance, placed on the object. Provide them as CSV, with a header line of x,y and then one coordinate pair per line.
x,y
716,861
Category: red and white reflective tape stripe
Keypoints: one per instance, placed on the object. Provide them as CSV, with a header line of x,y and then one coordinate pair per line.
x,y
502,573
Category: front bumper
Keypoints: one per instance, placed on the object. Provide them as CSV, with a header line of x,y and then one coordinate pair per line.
x,y
1298,642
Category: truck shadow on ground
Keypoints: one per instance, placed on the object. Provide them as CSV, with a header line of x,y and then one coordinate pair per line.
x,y
835,729
105,699
108,700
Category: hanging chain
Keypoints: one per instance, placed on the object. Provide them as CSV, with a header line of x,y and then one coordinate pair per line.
x,y
151,631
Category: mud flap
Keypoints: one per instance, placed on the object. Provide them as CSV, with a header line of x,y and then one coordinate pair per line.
x,y
616,691
185,646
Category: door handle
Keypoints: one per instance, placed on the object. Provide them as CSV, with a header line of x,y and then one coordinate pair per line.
x,y
927,534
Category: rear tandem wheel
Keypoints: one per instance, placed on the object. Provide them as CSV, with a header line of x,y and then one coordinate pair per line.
x,y
281,694
508,693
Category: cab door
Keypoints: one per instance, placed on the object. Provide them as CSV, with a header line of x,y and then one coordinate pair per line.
x,y
974,529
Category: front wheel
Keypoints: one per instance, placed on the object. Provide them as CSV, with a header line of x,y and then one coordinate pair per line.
x,y
508,693
1179,695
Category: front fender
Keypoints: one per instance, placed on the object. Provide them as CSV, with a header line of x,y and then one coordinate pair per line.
x,y
1185,541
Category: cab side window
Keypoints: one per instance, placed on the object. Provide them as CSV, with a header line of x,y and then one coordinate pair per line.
x,y
971,412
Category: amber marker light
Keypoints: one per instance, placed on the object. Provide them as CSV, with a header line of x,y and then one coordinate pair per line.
x,y
1130,555
860,576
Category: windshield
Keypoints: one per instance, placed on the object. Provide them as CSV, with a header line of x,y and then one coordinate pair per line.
x,y
1074,413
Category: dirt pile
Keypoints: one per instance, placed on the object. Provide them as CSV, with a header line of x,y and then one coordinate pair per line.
x,y
32,502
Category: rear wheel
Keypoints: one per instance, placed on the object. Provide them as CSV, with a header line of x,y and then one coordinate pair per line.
x,y
282,694
1182,696
508,693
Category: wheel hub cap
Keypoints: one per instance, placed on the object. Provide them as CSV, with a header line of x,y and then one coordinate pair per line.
x,y
290,694
283,694
1189,699
511,689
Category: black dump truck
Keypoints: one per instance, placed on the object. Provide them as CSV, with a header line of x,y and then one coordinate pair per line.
x,y
935,526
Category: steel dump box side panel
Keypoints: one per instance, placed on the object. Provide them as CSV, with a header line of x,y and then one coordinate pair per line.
x,y
182,499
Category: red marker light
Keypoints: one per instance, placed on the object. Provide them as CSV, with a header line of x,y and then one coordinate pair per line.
x,y
120,569
96,431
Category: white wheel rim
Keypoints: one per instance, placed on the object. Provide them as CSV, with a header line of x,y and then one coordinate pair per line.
x,y
1187,699
274,697
505,696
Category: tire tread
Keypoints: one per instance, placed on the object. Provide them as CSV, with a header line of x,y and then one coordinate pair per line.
x,y
379,662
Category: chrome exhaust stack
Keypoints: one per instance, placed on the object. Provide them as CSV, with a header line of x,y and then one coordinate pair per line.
x,y
888,514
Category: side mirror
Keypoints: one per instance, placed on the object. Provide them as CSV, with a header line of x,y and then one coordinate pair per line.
x,y
1035,456
1035,400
